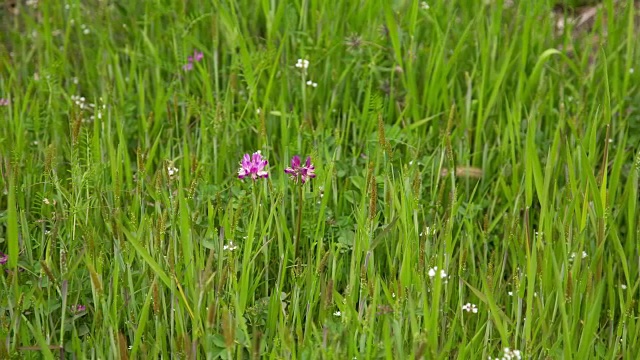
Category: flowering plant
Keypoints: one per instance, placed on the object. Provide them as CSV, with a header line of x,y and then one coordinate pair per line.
x,y
253,166
197,57
301,172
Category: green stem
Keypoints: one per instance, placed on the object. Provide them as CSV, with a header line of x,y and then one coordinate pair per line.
x,y
299,230
253,195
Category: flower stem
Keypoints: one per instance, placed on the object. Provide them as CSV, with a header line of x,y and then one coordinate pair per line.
x,y
299,230
253,196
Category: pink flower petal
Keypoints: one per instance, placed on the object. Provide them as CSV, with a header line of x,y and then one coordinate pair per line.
x,y
295,162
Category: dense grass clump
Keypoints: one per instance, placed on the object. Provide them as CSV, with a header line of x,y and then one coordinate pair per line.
x,y
310,179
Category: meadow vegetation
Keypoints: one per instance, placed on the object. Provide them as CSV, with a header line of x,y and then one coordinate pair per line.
x,y
466,182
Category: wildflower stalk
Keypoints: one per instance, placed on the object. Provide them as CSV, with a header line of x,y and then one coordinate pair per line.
x,y
300,173
303,65
254,196
299,221
304,99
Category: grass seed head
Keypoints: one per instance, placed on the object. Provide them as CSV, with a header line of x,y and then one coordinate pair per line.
x,y
353,42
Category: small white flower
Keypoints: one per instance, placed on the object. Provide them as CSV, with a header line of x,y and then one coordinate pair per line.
x,y
509,354
631,71
337,313
172,170
433,271
573,255
230,246
510,293
46,201
311,83
302,64
623,287
469,307
424,5
393,295
258,111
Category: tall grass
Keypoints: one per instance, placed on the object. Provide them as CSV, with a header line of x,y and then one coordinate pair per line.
x,y
469,155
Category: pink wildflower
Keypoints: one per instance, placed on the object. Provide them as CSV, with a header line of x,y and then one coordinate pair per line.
x,y
301,172
78,308
197,56
253,166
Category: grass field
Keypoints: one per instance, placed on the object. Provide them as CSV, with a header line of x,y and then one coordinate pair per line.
x,y
475,193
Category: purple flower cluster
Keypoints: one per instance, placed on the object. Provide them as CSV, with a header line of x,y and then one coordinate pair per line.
x,y
3,258
253,166
197,56
4,102
299,172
